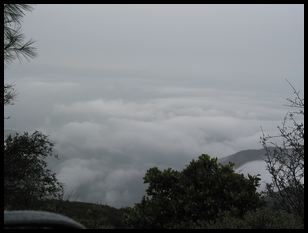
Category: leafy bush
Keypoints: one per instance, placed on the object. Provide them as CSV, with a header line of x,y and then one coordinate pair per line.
x,y
27,178
201,192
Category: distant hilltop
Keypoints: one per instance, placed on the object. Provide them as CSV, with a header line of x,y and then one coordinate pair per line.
x,y
245,156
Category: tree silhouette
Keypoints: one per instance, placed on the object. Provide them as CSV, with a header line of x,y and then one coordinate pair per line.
x,y
27,178
204,191
15,45
285,158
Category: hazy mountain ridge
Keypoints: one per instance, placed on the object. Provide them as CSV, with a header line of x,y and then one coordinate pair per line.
x,y
245,156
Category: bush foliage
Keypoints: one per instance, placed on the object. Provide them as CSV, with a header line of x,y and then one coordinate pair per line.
x,y
203,191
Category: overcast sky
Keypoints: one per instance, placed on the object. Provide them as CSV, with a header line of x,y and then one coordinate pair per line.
x,y
122,88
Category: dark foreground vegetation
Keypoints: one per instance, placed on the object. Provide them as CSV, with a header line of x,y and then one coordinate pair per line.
x,y
206,194
96,216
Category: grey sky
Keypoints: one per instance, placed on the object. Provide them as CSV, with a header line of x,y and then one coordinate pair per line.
x,y
121,88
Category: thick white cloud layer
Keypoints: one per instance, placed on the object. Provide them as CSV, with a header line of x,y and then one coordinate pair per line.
x,y
257,167
106,145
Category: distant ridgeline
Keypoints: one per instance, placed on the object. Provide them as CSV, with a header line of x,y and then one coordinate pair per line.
x,y
244,156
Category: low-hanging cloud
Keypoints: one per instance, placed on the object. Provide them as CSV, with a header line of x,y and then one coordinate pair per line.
x,y
107,145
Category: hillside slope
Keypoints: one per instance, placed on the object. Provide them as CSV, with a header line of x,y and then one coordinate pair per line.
x,y
93,216
242,157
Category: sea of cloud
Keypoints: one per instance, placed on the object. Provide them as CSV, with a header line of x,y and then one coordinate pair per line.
x,y
108,132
